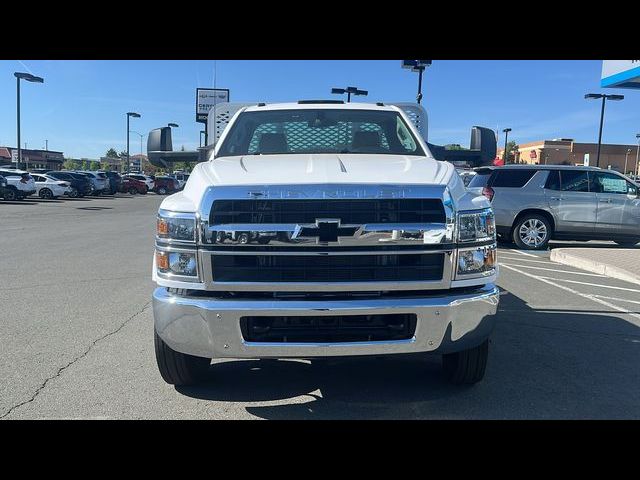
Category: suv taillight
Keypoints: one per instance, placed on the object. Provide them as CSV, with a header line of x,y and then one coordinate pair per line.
x,y
488,192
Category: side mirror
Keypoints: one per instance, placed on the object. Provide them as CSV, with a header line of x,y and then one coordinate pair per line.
x,y
481,153
160,150
159,140
484,140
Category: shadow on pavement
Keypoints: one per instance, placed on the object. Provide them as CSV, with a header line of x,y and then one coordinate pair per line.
x,y
16,202
560,364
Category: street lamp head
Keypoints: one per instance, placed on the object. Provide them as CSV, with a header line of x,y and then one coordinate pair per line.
x,y
28,77
615,97
133,114
593,95
506,130
338,91
175,125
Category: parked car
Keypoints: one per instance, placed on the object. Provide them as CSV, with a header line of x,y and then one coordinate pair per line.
x,y
38,170
80,185
181,177
133,186
49,187
535,204
466,175
164,185
115,180
20,184
100,182
3,185
143,178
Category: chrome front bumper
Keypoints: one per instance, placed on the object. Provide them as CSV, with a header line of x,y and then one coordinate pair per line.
x,y
210,327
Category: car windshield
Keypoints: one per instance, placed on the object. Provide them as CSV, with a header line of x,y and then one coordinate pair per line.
x,y
480,179
278,132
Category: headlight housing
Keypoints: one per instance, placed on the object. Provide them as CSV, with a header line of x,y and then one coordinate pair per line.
x,y
183,264
476,262
176,226
476,226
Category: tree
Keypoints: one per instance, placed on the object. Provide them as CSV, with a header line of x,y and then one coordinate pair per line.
x,y
69,164
512,147
453,146
111,153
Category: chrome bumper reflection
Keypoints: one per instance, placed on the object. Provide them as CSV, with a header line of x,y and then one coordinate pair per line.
x,y
210,327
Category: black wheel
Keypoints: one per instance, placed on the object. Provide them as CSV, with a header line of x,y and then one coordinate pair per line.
x,y
10,194
532,232
467,366
133,190
628,243
263,240
162,191
243,238
45,193
144,191
73,193
178,368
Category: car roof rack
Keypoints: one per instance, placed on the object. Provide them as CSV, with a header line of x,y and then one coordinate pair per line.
x,y
305,102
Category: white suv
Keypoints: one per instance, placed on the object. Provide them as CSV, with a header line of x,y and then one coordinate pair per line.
x,y
143,178
19,184
49,187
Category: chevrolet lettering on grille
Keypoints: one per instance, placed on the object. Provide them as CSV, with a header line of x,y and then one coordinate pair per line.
x,y
326,230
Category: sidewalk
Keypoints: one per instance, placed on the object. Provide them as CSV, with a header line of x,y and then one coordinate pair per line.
x,y
620,263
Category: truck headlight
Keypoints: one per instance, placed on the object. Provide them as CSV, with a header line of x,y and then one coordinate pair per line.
x,y
476,226
477,261
177,263
176,226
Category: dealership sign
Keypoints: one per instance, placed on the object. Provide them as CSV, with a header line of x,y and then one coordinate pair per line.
x,y
620,74
206,98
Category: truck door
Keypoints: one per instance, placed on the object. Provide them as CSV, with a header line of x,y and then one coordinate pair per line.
x,y
618,207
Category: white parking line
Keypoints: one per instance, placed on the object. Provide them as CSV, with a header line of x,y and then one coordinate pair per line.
x,y
593,284
501,256
521,253
553,270
618,299
575,292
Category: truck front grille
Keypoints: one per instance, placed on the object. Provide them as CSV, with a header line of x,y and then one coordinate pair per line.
x,y
334,328
327,268
349,211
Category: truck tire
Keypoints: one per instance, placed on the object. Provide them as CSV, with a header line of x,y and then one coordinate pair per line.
x,y
178,368
468,366
161,191
532,232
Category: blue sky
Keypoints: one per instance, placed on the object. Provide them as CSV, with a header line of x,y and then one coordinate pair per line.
x,y
80,109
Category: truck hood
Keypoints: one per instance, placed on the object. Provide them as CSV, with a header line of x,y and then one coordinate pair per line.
x,y
325,168
301,169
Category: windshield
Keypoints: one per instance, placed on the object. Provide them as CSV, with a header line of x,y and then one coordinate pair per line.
x,y
278,132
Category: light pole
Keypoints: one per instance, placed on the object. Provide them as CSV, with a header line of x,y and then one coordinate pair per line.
x,y
504,154
134,115
625,161
29,78
417,66
349,91
201,133
604,98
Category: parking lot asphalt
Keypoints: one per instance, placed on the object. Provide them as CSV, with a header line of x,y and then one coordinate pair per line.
x,y
76,333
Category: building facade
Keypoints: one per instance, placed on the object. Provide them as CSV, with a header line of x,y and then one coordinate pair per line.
x,y
565,151
31,158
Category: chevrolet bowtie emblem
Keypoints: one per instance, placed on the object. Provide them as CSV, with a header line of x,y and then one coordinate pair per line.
x,y
327,230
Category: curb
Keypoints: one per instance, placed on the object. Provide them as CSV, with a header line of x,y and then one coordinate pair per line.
x,y
561,255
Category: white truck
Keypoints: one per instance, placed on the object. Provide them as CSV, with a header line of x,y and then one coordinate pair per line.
x,y
321,229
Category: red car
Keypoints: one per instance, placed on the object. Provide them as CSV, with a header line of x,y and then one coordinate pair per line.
x,y
164,185
133,186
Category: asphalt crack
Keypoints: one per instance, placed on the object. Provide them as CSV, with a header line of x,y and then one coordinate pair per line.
x,y
80,357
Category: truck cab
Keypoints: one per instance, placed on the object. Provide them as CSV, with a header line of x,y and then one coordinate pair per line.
x,y
321,230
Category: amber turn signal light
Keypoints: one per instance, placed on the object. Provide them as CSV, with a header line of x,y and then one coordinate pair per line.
x,y
162,260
